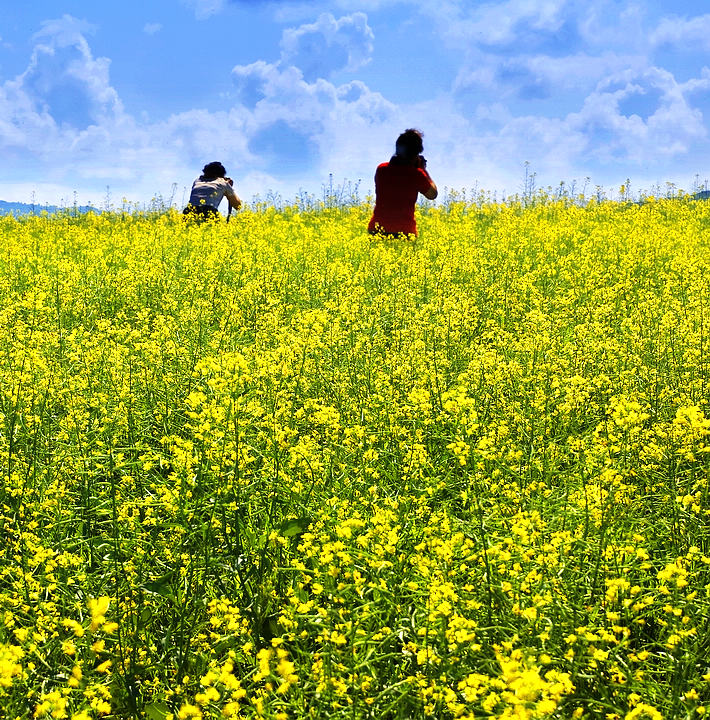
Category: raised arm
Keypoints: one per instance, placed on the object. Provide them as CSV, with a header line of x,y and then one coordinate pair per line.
x,y
432,192
234,201
232,197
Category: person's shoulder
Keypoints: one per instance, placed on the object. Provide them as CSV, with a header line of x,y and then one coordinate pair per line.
x,y
408,170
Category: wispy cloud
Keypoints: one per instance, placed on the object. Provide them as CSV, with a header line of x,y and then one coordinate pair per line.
x,y
152,28
205,8
683,32
541,76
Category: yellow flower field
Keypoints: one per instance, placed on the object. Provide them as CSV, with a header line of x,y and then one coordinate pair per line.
x,y
276,469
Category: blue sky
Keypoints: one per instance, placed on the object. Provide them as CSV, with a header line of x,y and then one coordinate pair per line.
x,y
136,97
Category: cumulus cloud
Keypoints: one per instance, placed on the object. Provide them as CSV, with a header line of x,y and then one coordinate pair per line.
x,y
318,49
64,31
291,121
619,123
63,92
535,54
631,121
294,115
575,85
64,80
534,86
62,120
533,50
697,84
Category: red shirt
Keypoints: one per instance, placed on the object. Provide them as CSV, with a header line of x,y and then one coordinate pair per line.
x,y
396,191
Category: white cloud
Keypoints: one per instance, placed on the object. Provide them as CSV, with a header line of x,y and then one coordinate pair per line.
x,y
592,103
282,84
205,8
297,121
62,121
500,23
580,69
318,49
683,32
152,28
65,31
311,121
631,122
291,124
668,129
64,81
610,24
103,145
541,75
697,84
64,95
497,24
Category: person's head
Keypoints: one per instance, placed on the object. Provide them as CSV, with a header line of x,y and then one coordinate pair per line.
x,y
409,146
213,170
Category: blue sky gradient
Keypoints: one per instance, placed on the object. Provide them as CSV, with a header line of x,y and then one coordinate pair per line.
x,y
136,97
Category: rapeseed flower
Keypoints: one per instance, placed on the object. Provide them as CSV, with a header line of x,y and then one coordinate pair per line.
x,y
305,470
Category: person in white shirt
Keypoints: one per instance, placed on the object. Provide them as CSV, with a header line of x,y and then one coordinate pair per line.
x,y
208,190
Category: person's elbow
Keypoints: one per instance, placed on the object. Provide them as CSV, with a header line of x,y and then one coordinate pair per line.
x,y
431,193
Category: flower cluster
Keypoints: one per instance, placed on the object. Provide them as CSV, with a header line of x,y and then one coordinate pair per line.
x,y
278,469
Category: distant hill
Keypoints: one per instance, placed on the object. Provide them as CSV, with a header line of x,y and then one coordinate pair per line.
x,y
18,208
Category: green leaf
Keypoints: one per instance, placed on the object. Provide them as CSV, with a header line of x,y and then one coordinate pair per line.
x,y
294,526
161,586
157,711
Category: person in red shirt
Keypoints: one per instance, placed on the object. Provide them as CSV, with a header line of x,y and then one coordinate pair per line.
x,y
397,186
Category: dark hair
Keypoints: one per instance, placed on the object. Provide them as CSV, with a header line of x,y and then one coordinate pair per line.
x,y
213,170
408,147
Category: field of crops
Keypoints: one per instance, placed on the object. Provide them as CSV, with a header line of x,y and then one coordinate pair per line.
x,y
274,468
